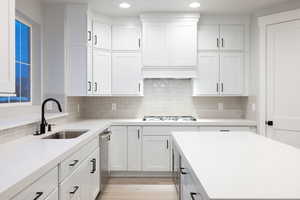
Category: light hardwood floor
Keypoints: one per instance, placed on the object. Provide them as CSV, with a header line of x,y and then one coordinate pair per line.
x,y
139,189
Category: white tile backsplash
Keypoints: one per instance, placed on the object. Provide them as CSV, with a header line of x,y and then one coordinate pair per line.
x,y
164,97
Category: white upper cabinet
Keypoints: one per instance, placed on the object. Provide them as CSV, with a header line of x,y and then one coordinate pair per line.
x,y
126,74
232,37
155,44
169,40
231,73
102,35
7,51
182,44
126,38
207,81
101,72
208,37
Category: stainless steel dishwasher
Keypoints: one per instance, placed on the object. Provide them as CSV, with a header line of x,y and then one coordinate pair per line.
x,y
104,153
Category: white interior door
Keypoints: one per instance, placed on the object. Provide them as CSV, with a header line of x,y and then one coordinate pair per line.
x,y
283,98
208,37
207,81
126,73
231,73
232,37
101,72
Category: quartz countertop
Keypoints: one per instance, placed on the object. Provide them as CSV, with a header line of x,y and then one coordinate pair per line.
x,y
242,165
26,159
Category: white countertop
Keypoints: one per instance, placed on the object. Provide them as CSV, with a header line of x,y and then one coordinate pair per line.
x,y
24,160
242,165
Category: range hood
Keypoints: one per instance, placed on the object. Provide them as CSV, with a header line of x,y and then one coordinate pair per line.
x,y
169,47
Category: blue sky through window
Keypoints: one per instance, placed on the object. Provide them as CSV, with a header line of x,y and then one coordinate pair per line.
x,y
23,65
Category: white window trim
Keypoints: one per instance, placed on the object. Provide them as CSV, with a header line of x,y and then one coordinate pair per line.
x,y
24,21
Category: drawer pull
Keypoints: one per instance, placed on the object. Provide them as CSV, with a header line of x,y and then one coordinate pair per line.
x,y
193,194
224,130
93,161
182,171
75,190
38,195
73,163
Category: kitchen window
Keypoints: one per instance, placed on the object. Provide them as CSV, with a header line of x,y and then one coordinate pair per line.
x,y
22,64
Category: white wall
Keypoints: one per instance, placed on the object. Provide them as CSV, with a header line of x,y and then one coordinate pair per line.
x,y
31,8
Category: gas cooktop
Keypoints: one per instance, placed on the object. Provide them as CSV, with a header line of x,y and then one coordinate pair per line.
x,y
169,118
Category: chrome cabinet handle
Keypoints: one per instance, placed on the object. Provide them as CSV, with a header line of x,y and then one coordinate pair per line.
x,y
38,195
90,86
73,163
96,86
218,42
222,87
139,41
89,35
75,190
167,144
182,171
222,42
96,39
217,87
93,161
138,133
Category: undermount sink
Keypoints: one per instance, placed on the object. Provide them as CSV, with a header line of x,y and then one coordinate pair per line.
x,y
66,134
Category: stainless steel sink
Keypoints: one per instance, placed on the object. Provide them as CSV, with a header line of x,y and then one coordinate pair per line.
x,y
66,134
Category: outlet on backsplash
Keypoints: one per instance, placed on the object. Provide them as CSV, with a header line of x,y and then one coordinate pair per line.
x,y
114,107
220,106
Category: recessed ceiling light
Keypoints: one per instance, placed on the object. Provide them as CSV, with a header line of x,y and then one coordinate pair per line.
x,y
124,5
195,4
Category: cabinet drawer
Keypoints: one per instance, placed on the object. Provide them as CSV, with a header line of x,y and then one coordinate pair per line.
x,y
41,188
225,129
167,130
70,164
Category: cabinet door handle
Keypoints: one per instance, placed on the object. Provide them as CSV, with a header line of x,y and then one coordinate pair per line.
x,y
96,86
93,161
89,35
222,87
138,133
182,171
167,144
75,190
96,39
139,41
90,86
139,87
217,87
222,42
193,194
218,42
73,163
38,195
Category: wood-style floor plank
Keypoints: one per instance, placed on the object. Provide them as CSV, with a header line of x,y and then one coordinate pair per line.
x,y
139,189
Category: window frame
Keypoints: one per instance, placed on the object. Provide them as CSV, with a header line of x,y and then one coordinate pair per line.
x,y
12,104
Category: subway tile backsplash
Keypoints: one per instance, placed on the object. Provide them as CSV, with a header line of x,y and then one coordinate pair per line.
x,y
164,97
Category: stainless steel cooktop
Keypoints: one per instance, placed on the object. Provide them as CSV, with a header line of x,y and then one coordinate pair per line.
x,y
169,118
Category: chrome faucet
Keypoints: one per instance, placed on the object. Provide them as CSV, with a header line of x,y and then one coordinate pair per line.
x,y
44,124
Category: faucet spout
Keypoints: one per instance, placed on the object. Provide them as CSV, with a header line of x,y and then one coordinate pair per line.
x,y
43,119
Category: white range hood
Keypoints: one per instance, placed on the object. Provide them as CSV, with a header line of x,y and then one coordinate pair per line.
x,y
169,47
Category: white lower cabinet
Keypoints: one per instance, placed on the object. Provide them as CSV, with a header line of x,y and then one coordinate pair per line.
x,y
156,153
94,174
118,148
53,195
41,188
134,148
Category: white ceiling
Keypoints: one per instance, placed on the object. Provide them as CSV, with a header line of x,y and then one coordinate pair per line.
x,y
110,7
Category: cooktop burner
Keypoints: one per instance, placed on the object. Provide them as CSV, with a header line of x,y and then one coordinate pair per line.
x,y
169,118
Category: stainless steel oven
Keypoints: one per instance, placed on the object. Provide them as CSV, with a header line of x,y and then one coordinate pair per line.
x,y
104,153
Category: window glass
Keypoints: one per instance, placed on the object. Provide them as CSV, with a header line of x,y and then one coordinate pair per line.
x,y
23,65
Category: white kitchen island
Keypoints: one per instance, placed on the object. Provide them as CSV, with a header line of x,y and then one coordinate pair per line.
x,y
236,165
